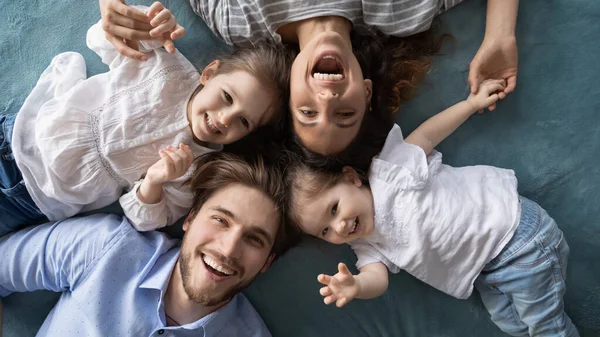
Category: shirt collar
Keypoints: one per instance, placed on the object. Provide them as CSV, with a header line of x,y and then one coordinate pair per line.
x,y
158,279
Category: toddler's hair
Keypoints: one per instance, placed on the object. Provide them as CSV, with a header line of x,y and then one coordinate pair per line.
x,y
270,64
304,183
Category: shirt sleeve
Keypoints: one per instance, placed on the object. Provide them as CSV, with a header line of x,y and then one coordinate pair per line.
x,y
404,165
97,42
56,256
175,202
367,254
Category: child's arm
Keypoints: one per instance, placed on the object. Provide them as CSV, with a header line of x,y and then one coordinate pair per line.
x,y
145,206
429,134
343,287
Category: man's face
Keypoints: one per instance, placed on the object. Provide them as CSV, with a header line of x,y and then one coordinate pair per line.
x,y
227,244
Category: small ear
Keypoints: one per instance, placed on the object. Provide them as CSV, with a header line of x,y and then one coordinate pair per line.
x,y
368,90
268,263
351,176
210,71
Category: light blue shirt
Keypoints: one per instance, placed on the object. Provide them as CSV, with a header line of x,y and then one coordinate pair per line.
x,y
113,280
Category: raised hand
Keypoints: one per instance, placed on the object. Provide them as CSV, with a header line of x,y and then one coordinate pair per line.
x,y
487,95
124,26
340,288
173,163
165,26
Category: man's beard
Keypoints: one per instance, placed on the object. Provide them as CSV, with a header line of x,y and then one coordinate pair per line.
x,y
205,296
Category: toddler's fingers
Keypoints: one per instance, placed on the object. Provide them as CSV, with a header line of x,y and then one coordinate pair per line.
x,y
177,158
328,300
163,19
325,291
177,33
501,95
164,155
155,9
169,46
324,279
341,302
188,152
343,269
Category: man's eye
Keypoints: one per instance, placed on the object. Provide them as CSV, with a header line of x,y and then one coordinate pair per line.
x,y
245,122
228,97
308,113
325,230
220,220
334,208
257,240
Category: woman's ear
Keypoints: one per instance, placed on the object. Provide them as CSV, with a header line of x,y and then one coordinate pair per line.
x,y
351,176
368,90
210,71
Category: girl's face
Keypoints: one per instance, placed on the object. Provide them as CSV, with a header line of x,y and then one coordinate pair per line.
x,y
229,106
328,94
342,213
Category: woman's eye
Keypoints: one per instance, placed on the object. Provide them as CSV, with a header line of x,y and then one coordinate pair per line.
x,y
245,122
228,97
325,230
346,114
334,208
308,113
220,220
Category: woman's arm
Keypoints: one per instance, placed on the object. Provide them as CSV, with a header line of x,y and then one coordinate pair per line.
x,y
497,56
429,134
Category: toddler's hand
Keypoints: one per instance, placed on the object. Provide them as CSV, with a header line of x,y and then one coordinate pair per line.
x,y
487,95
173,164
165,26
340,288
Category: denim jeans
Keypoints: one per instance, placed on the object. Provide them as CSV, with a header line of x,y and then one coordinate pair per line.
x,y
523,287
17,209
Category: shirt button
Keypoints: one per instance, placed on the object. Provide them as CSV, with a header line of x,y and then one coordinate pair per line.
x,y
161,331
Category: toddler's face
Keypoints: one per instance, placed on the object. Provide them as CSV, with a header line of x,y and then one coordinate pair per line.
x,y
229,107
341,214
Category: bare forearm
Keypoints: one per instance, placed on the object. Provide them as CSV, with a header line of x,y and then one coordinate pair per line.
x,y
372,281
437,128
150,193
501,17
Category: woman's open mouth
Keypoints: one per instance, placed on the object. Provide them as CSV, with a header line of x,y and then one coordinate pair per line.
x,y
328,68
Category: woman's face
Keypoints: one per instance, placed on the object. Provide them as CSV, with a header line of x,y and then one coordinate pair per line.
x,y
328,94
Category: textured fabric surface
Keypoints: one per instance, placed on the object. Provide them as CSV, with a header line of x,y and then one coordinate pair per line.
x,y
547,131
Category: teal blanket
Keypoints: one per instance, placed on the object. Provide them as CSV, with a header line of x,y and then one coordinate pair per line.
x,y
548,131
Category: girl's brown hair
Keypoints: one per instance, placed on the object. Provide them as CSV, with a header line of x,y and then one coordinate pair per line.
x,y
270,64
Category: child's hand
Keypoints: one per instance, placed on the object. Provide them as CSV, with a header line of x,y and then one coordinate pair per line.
x,y
165,26
173,164
487,95
340,288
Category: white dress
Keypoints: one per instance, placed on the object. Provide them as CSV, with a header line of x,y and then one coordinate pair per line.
x,y
80,143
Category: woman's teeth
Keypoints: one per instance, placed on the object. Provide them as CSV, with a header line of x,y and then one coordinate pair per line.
x,y
328,77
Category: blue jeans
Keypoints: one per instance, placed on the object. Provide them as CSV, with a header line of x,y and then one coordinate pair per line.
x,y
523,287
17,209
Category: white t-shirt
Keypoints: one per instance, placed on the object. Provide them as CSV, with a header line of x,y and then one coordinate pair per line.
x,y
249,22
439,223
80,143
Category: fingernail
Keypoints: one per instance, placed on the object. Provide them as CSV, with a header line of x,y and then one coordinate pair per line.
x,y
144,58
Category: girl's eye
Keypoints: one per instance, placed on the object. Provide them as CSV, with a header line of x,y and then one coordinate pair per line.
x,y
325,230
334,208
228,97
245,122
308,113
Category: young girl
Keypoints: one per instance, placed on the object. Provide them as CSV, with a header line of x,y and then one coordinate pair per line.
x,y
77,143
453,228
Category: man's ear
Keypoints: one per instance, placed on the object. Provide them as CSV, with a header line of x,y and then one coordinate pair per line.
x,y
351,176
268,263
210,71
188,221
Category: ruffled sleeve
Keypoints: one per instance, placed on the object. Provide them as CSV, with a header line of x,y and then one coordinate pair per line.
x,y
404,165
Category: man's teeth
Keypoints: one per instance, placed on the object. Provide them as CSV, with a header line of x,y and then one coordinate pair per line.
x,y
328,77
214,264
212,127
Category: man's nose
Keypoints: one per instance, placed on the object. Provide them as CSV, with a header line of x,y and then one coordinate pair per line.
x,y
231,244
